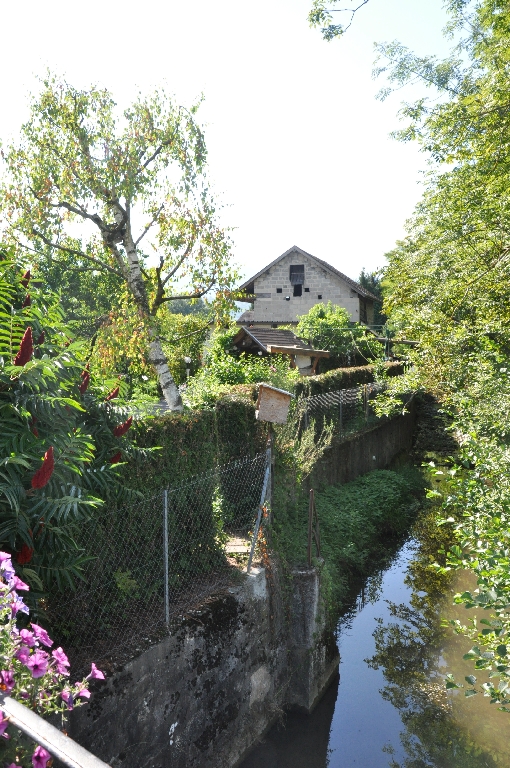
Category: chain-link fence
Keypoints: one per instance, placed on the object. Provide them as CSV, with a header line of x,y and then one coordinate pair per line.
x,y
346,410
157,558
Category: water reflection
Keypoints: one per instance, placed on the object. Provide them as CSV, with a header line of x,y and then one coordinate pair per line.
x,y
300,740
391,708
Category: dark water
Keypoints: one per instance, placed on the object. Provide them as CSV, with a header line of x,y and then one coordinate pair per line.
x,y
389,708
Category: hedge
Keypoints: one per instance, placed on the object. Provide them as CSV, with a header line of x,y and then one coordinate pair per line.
x,y
343,378
193,443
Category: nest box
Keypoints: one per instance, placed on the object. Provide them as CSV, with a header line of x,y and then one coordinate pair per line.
x,y
272,404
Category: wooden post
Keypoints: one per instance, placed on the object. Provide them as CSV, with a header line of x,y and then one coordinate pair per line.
x,y
313,528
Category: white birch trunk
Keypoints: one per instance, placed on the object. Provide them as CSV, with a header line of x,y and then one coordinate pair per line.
x,y
156,354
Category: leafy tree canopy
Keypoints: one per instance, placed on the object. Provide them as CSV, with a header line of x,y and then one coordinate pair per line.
x,y
327,326
122,197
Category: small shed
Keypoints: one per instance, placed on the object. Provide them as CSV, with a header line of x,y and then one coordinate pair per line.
x,y
275,341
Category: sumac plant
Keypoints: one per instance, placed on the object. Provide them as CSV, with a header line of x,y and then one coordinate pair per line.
x,y
32,671
63,438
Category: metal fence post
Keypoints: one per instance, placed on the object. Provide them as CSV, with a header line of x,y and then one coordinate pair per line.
x,y
341,415
165,555
261,507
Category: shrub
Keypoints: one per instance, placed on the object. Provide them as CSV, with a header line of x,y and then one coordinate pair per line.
x,y
343,378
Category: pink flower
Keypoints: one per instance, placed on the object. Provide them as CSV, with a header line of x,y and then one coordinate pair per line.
x,y
42,635
40,758
18,605
7,678
95,673
27,637
82,690
3,725
16,583
67,696
38,663
62,661
22,654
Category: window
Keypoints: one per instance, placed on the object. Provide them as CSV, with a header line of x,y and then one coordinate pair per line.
x,y
279,290
307,290
297,274
319,295
298,290
274,325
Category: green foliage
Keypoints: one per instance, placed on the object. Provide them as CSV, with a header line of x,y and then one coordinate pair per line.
x,y
226,367
372,281
327,326
320,15
447,285
407,649
195,442
344,378
359,522
42,410
82,177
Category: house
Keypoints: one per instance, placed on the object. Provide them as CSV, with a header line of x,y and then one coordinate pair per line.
x,y
275,341
293,283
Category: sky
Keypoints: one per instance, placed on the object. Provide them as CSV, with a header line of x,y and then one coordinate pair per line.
x,y
299,147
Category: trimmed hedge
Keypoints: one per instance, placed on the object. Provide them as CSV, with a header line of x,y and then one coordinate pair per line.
x,y
193,443
343,378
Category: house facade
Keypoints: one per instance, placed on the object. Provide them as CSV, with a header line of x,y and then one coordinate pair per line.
x,y
293,283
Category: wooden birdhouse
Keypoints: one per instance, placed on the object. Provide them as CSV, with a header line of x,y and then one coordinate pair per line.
x,y
272,404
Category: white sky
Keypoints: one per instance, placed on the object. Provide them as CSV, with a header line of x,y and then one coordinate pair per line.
x,y
298,146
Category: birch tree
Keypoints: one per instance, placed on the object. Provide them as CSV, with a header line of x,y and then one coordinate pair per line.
x,y
119,193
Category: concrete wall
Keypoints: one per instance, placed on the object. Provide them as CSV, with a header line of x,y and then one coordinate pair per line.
x,y
204,695
373,449
271,306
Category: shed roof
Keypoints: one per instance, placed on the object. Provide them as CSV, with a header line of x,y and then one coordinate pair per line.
x,y
273,337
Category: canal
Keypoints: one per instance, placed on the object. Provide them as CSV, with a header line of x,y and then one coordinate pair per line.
x,y
389,708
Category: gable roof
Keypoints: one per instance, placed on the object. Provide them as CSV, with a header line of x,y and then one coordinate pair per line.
x,y
354,285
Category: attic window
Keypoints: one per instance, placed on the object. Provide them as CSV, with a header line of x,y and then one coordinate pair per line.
x,y
319,295
297,274
307,290
279,290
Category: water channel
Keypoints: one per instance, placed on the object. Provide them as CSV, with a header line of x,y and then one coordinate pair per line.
x,y
389,707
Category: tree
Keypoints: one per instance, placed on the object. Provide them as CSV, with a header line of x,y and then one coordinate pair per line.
x,y
88,188
321,16
372,281
327,326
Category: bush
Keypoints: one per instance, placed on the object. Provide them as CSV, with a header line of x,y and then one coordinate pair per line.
x,y
360,523
327,326
343,378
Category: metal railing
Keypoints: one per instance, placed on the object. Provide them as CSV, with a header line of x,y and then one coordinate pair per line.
x,y
57,743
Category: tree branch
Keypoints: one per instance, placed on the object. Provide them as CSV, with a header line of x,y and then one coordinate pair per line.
x,y
197,295
149,225
179,263
100,264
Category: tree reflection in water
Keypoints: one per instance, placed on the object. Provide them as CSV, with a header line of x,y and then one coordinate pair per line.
x,y
408,652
